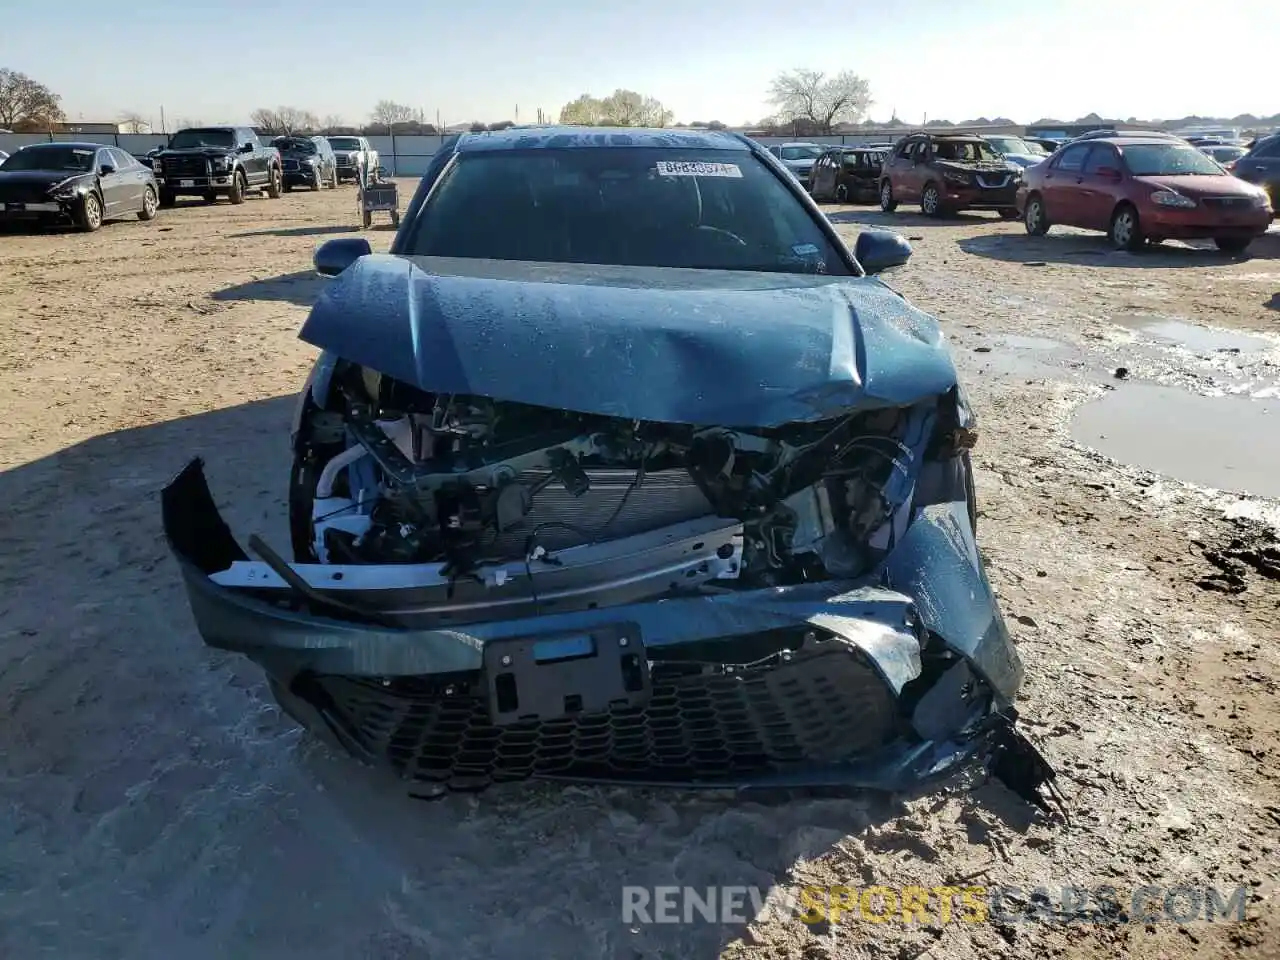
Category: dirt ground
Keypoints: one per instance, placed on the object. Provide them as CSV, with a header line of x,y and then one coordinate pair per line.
x,y
155,804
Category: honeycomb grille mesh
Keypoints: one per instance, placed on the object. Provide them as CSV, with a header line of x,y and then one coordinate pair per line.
x,y
819,707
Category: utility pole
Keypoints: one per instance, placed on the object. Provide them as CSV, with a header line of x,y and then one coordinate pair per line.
x,y
517,114
163,131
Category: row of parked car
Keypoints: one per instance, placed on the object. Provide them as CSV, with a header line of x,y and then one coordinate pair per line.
x,y
88,184
1139,187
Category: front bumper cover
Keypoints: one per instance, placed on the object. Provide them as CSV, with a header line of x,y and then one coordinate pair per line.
x,y
879,685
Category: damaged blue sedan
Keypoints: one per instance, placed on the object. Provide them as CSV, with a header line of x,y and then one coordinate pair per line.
x,y
622,467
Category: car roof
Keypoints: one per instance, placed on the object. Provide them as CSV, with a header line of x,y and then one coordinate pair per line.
x,y
75,144
565,137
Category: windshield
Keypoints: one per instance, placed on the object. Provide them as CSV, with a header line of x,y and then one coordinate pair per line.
x,y
643,207
52,157
965,151
344,143
1168,160
801,153
185,139
1014,145
294,145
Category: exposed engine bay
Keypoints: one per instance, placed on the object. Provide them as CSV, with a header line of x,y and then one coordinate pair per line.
x,y
390,474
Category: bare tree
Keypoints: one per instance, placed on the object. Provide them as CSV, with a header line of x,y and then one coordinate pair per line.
x,y
585,111
822,100
332,121
133,122
622,108
387,113
186,123
23,100
284,120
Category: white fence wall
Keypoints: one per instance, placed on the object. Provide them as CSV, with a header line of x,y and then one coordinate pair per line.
x,y
402,156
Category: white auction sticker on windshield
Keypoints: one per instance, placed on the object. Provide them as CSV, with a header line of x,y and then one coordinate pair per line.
x,y
691,168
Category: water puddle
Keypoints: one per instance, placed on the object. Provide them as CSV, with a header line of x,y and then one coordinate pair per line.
x,y
1228,443
1193,337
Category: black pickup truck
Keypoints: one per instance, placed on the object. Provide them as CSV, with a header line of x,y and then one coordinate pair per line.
x,y
211,162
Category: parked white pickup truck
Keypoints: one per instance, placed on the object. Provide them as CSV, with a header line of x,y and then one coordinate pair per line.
x,y
353,154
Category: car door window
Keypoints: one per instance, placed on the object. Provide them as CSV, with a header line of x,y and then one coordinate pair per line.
x,y
121,159
1101,156
906,150
1267,150
1072,159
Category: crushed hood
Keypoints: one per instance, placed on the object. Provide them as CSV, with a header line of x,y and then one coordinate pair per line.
x,y
677,346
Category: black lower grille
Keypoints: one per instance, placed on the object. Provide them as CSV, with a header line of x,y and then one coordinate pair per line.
x,y
821,704
185,166
24,193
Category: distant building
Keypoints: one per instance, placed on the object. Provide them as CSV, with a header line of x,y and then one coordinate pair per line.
x,y
81,126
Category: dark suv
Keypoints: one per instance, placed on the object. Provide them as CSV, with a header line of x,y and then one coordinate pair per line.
x,y
948,173
1261,165
308,162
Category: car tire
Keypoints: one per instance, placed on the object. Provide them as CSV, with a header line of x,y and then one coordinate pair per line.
x,y
168,199
149,205
275,183
887,201
842,193
89,212
238,184
1126,229
366,219
931,200
1008,213
333,179
1233,244
317,182
1034,217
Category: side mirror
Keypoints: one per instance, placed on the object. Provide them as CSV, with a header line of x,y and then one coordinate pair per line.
x,y
1108,173
106,168
334,256
246,148
878,250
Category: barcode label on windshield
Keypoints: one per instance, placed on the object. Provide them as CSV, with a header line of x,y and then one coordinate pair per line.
x,y
687,168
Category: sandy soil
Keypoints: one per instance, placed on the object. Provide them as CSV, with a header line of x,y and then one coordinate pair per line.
x,y
155,804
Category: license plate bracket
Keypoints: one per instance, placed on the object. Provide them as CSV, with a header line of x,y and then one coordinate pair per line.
x,y
553,676
186,183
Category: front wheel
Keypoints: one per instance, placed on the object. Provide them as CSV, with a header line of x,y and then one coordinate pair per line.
x,y
149,205
317,181
89,215
931,201
1126,229
275,183
1034,218
842,193
887,202
1233,244
236,193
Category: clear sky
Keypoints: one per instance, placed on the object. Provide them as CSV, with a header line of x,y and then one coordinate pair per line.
x,y
216,60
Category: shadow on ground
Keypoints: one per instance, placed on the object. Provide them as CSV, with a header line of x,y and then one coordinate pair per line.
x,y
1094,250
905,219
140,764
309,231
302,288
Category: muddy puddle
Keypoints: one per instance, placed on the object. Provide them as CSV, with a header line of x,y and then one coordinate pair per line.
x,y
1168,331
1228,443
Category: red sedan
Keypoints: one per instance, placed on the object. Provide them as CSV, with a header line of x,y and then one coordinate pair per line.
x,y
1139,189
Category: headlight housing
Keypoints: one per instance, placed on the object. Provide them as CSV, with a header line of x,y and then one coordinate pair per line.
x,y
951,176
1168,198
64,190
221,163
